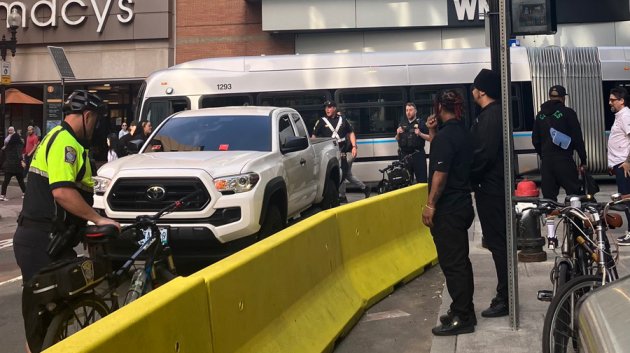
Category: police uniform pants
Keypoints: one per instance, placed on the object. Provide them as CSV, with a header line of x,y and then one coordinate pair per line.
x,y
418,166
450,235
29,247
557,171
491,210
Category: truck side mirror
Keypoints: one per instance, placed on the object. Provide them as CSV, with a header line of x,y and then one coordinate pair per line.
x,y
133,146
294,143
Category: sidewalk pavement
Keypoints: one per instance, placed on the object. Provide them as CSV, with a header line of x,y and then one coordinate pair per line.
x,y
496,334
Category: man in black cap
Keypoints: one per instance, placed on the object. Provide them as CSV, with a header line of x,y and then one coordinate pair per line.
x,y
487,181
335,126
555,135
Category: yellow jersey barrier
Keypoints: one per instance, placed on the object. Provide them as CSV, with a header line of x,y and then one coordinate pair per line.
x,y
297,291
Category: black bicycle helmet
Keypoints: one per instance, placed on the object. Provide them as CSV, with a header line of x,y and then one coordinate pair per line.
x,y
82,100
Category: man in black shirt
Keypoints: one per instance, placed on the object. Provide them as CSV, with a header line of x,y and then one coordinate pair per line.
x,y
449,212
556,133
335,126
488,182
411,134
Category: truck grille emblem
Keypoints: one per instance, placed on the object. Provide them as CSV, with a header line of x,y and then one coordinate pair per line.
x,y
155,193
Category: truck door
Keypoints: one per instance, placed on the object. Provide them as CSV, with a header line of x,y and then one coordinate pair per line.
x,y
296,167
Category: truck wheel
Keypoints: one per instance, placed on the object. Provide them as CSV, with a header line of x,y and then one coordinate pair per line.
x,y
272,223
331,195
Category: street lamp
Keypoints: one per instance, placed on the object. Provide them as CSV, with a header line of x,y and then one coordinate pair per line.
x,y
13,19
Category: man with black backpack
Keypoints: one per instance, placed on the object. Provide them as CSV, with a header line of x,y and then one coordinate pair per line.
x,y
411,134
58,197
555,135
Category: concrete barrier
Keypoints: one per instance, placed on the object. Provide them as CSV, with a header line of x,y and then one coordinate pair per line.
x,y
383,241
174,318
297,291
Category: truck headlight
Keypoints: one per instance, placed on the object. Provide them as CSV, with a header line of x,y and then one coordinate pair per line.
x,y
236,183
100,184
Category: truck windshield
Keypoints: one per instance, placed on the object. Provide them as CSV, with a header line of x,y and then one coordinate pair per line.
x,y
213,133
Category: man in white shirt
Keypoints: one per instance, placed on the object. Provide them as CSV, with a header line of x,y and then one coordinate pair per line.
x,y
619,148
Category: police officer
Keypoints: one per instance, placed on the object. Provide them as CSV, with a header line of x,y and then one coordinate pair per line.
x,y
59,194
336,126
555,135
449,212
411,134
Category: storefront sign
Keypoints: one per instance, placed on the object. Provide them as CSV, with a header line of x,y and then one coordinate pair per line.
x,y
471,13
47,21
51,7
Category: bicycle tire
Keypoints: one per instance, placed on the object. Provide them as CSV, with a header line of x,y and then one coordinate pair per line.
x,y
563,275
559,327
82,311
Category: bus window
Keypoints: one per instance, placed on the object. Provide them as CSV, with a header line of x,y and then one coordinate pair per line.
x,y
224,101
372,112
522,107
156,110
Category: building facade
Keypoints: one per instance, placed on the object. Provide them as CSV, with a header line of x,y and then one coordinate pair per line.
x,y
112,45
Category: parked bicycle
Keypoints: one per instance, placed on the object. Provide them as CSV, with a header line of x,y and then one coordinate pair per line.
x,y
79,291
585,263
397,175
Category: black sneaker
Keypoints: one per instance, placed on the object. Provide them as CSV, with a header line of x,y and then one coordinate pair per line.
x,y
343,199
625,241
497,308
624,235
457,326
366,190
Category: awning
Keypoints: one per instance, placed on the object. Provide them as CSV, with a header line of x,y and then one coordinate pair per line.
x,y
15,96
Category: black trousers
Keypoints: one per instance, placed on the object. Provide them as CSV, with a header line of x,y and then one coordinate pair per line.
x,y
491,210
29,247
7,179
557,171
450,235
418,165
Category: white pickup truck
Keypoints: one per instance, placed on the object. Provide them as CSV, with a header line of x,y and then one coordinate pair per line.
x,y
256,167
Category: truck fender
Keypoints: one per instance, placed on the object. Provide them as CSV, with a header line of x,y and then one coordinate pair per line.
x,y
275,191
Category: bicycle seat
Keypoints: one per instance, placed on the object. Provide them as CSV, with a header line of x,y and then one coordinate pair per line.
x,y
100,232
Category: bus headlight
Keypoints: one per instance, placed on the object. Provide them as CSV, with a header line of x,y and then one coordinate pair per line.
x,y
236,183
100,185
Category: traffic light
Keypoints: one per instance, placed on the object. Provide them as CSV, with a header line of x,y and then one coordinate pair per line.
x,y
533,17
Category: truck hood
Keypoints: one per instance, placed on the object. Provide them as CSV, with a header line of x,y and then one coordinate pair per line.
x,y
217,164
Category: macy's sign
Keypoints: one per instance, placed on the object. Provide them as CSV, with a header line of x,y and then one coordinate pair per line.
x,y
101,12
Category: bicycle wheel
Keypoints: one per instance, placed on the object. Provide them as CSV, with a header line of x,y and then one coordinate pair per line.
x,y
78,314
561,276
560,332
383,187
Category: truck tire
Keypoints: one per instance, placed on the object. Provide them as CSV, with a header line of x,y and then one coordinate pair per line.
x,y
331,195
272,224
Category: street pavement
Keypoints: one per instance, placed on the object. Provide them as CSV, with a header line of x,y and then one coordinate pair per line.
x,y
401,322
404,328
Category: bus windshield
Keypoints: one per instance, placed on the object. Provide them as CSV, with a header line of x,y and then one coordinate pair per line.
x,y
213,133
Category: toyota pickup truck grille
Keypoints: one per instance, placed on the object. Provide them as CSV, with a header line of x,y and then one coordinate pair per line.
x,y
151,195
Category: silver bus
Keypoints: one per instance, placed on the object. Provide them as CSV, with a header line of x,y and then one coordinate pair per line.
x,y
371,90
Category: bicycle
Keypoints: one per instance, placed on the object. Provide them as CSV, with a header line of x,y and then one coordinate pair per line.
x,y
70,291
585,264
397,175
